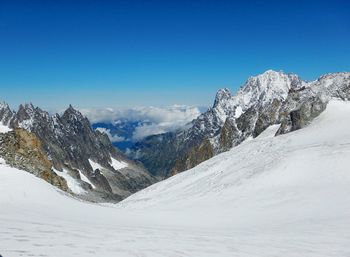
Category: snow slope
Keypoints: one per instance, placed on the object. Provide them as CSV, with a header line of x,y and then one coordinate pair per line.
x,y
270,196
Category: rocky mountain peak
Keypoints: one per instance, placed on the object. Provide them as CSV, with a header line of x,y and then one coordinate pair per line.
x,y
332,79
71,109
276,79
271,72
23,109
264,88
258,91
27,109
224,104
29,106
333,84
5,113
71,113
29,116
4,105
336,75
222,95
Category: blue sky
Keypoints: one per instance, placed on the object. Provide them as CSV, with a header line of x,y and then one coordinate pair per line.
x,y
127,53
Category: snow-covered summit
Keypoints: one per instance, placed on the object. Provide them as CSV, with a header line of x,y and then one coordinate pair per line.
x,y
264,88
5,113
260,91
224,104
332,85
73,114
257,91
222,95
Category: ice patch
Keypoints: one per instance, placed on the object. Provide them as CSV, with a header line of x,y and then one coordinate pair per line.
x,y
117,165
269,132
238,112
85,179
95,165
72,183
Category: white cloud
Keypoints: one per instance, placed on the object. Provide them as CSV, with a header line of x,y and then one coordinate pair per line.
x,y
161,119
114,138
150,113
157,128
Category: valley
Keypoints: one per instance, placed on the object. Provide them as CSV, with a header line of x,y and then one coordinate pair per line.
x,y
270,196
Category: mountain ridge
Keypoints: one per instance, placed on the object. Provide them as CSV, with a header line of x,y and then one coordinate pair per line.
x,y
71,146
263,100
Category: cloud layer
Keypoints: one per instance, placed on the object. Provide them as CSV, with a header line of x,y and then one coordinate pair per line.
x,y
158,119
113,138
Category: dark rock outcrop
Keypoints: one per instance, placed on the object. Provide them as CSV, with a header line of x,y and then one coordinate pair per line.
x,y
230,135
302,116
23,150
193,156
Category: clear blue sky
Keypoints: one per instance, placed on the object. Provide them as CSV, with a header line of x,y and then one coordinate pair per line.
x,y
126,53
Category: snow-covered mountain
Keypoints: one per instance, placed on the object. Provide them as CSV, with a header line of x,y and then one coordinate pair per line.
x,y
65,151
267,99
270,196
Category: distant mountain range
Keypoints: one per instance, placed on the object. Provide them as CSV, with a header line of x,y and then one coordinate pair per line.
x,y
122,131
127,126
269,98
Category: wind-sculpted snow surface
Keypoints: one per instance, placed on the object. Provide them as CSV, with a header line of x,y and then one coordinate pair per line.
x,y
270,196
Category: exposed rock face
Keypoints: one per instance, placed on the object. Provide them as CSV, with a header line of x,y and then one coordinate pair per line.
x,y
161,153
23,150
230,135
267,116
301,117
267,99
5,113
196,154
72,146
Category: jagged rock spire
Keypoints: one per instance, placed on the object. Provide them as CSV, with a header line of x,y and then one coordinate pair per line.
x,y
5,113
72,114
223,94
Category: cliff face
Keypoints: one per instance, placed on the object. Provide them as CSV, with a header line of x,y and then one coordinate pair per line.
x,y
267,99
193,156
23,150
